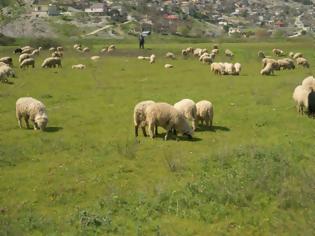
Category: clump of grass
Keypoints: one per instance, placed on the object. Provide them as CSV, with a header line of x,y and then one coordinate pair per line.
x,y
127,149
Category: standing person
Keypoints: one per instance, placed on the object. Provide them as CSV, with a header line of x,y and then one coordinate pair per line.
x,y
141,41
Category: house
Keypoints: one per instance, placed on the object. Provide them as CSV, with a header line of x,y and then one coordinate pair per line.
x,y
40,11
53,10
97,9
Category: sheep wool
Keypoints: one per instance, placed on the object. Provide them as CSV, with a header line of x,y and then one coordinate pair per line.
x,y
188,108
204,112
139,116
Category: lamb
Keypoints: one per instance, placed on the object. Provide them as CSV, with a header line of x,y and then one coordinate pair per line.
x,y
78,66
303,62
286,63
167,117
7,60
188,108
30,108
152,59
229,53
24,56
168,66
278,52
5,72
300,96
204,112
139,116
215,51
217,68
237,68
297,55
267,70
28,62
51,62
95,58
170,55
261,54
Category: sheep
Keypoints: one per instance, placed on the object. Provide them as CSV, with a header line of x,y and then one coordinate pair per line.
x,y
184,52
286,63
27,50
24,56
267,70
109,50
229,53
17,50
303,62
52,49
35,52
170,55
297,55
140,57
228,68
152,59
139,116
215,51
197,52
291,54
167,117
300,96
261,54
95,58
57,54
28,62
237,68
31,108
78,66
7,60
26,47
187,51
51,62
75,46
5,72
86,49
309,83
204,112
273,62
206,59
112,47
278,52
60,49
217,68
104,50
168,66
188,108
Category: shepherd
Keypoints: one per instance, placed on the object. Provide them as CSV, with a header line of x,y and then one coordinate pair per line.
x,y
141,41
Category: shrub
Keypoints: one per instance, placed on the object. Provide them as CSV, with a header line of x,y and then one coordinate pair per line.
x,y
45,43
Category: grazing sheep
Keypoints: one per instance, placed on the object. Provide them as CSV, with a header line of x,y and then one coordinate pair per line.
x,y
215,46
78,66
309,83
139,116
291,54
206,60
35,52
187,51
26,47
24,56
297,55
170,55
168,66
51,62
28,62
57,54
267,70
217,68
204,112
237,68
273,62
303,62
167,117
300,96
152,59
112,47
7,60
52,49
17,50
75,46
30,108
140,57
188,108
197,52
228,68
95,58
104,50
286,63
278,52
261,54
60,49
27,50
215,51
86,49
6,72
229,53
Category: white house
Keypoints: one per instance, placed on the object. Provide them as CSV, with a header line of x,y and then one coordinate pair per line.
x,y
97,8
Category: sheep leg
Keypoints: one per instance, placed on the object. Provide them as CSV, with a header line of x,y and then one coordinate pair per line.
x,y
143,131
156,130
136,130
35,126
151,130
26,121
167,134
19,121
193,123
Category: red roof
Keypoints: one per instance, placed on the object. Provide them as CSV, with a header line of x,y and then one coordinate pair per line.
x,y
170,17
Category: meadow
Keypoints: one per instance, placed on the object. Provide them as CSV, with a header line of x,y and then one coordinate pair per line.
x,y
252,174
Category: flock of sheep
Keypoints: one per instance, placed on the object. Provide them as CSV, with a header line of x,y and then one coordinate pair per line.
x,y
173,118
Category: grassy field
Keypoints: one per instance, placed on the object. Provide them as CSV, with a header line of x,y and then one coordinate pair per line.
x,y
252,174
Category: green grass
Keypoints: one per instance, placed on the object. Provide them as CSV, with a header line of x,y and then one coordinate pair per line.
x,y
87,175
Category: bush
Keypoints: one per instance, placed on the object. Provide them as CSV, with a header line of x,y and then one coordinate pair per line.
x,y
45,43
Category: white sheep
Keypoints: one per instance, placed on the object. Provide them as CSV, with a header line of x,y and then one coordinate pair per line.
x,y
78,66
95,58
57,54
170,55
300,96
309,83
140,57
204,112
28,50
6,72
261,54
51,62
30,108
60,49
139,116
237,68
215,51
168,66
267,70
86,49
286,63
229,53
297,55
28,62
152,59
278,52
104,50
303,62
291,54
52,49
7,60
217,68
188,108
24,56
35,52
229,68
167,117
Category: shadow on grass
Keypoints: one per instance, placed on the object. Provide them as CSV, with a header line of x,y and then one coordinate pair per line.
x,y
53,129
214,128
179,138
